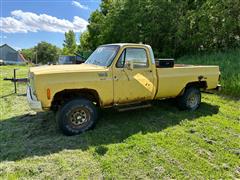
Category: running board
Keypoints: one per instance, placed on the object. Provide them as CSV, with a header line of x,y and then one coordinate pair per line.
x,y
128,108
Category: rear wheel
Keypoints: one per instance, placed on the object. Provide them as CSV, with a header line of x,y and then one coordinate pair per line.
x,y
77,116
190,100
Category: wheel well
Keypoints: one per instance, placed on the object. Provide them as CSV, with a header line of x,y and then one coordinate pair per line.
x,y
199,84
66,95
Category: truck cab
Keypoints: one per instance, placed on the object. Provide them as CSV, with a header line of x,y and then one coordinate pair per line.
x,y
134,74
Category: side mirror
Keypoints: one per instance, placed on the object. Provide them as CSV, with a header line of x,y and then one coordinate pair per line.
x,y
129,65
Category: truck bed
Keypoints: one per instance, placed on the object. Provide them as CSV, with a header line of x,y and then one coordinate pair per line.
x,y
171,81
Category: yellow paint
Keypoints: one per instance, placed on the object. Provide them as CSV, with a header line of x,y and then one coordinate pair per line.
x,y
120,85
144,81
173,80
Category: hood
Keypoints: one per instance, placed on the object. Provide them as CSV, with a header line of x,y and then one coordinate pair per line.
x,y
66,68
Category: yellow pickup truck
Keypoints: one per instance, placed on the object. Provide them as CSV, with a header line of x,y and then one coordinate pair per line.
x,y
124,76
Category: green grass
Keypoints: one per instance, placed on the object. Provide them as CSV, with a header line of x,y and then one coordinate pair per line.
x,y
160,142
229,63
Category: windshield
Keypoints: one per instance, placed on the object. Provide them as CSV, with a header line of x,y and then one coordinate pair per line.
x,y
103,55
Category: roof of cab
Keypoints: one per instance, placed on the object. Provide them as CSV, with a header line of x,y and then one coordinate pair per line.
x,y
125,44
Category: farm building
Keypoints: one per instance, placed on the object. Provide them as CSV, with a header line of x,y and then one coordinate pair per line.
x,y
8,55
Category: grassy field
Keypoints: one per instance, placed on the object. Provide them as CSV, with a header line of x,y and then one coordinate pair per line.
x,y
229,63
156,143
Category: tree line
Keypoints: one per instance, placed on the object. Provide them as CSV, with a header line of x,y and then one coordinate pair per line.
x,y
173,28
42,53
45,52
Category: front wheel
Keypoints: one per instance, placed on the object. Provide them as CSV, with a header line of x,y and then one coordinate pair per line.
x,y
190,100
77,116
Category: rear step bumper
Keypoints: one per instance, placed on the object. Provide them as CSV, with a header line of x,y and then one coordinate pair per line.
x,y
217,89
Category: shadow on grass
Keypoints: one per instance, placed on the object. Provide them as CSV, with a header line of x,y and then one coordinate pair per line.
x,y
11,94
4,96
37,135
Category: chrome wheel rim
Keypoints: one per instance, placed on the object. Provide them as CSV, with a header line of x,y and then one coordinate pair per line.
x,y
79,117
193,100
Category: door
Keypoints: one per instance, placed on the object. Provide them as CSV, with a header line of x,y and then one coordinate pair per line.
x,y
133,84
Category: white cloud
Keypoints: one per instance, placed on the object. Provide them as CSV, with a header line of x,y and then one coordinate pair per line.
x,y
30,22
11,25
79,5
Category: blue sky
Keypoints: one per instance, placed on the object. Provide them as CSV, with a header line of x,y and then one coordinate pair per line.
x,y
24,23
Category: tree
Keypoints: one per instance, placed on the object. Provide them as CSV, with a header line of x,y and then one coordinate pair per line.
x,y
28,54
93,37
84,49
173,28
69,45
84,39
46,53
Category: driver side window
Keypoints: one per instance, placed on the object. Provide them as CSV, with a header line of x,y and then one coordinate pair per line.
x,y
137,55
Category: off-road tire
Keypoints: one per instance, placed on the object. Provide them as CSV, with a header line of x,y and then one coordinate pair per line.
x,y
76,116
190,100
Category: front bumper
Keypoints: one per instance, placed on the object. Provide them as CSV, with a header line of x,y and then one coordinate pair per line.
x,y
32,100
